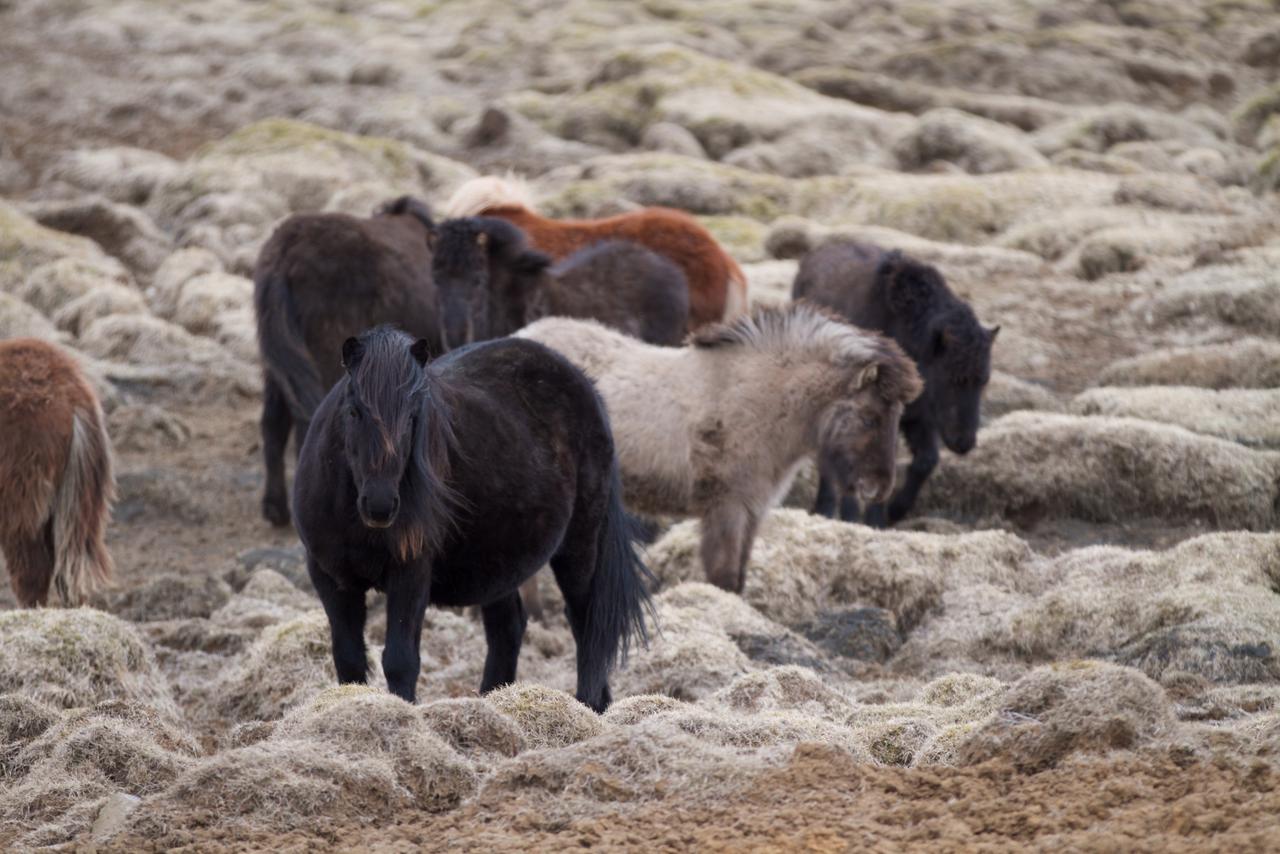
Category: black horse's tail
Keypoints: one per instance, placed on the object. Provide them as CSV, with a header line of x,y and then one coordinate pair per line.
x,y
619,598
284,352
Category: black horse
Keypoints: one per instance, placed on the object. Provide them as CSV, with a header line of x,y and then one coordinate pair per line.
x,y
453,482
910,302
321,278
491,283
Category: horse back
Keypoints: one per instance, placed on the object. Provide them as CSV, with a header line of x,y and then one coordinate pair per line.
x,y
841,276
626,286
345,274
671,233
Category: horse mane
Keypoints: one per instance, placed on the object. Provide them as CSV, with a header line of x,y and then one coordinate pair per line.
x,y
803,327
392,384
407,205
488,192
919,291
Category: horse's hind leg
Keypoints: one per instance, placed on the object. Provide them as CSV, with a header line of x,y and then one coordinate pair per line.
x,y
346,612
504,623
574,567
30,560
277,421
408,588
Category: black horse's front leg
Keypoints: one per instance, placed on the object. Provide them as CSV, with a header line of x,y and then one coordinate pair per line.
x,y
277,421
346,612
504,625
408,588
825,503
923,441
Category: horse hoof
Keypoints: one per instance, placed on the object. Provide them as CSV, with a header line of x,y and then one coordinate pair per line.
x,y
276,514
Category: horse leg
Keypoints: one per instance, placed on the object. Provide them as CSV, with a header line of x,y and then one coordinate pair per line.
x,y
923,441
849,509
30,559
276,424
346,612
724,531
408,588
825,503
748,540
573,569
532,598
504,622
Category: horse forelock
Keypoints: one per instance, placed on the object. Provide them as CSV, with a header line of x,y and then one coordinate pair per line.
x,y
488,192
393,386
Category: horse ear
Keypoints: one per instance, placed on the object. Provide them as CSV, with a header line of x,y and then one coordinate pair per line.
x,y
943,340
992,333
421,351
352,350
868,375
532,262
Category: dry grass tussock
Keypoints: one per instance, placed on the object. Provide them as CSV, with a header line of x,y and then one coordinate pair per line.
x,y
1248,416
803,564
1245,363
79,657
351,754
1081,706
1031,465
58,768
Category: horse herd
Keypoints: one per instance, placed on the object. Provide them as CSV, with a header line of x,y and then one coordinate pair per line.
x,y
477,398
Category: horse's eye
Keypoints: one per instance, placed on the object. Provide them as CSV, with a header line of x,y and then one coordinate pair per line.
x,y
355,412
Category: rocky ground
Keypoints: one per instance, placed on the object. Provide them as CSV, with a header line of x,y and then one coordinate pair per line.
x,y
1074,644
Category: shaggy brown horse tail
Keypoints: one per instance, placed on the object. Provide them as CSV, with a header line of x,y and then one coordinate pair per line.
x,y
284,351
80,509
735,295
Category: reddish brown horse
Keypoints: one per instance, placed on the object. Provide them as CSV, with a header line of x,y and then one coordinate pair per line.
x,y
717,287
55,475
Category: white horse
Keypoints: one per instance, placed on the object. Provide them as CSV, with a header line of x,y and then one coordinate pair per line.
x,y
718,428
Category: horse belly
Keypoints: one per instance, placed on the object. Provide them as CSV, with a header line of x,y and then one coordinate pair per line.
x,y
487,563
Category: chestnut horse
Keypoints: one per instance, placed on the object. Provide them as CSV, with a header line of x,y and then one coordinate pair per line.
x,y
717,287
55,475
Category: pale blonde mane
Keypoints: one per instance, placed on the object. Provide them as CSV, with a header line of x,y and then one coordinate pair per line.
x,y
796,327
490,191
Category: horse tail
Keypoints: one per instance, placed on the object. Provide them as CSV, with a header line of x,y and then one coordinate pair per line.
x,y
618,599
284,352
80,509
490,191
735,298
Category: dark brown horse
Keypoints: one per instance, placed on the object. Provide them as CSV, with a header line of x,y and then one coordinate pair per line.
x,y
56,485
453,482
491,283
320,279
717,286
910,302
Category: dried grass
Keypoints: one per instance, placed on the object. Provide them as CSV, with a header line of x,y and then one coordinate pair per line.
x,y
78,657
1245,363
546,717
351,754
1248,416
803,564
1031,465
1081,706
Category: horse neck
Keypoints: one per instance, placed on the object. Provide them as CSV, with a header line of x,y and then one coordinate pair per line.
x,y
800,384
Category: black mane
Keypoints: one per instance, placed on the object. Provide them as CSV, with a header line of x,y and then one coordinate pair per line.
x,y
393,387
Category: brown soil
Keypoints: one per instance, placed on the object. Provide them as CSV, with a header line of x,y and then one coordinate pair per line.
x,y
823,801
